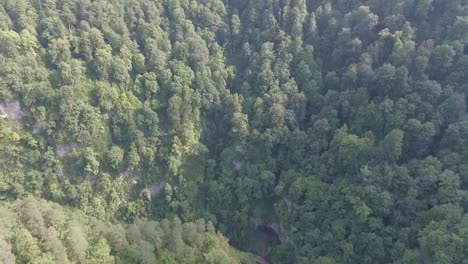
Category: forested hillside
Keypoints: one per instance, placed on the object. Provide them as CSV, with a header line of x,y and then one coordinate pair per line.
x,y
304,131
35,231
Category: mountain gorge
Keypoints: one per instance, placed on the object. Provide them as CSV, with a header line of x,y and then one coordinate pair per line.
x,y
183,131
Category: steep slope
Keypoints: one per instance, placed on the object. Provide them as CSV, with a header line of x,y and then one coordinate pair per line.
x,y
305,131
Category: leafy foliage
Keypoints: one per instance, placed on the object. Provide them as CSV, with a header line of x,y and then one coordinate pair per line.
x,y
305,131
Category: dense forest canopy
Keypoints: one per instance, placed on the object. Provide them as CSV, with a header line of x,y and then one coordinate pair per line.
x,y
191,131
36,231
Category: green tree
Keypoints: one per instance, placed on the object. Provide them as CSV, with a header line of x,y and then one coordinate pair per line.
x,y
99,253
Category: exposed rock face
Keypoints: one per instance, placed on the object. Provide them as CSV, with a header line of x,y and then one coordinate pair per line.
x,y
124,175
156,189
260,223
64,149
109,114
128,176
38,127
239,148
275,228
12,111
288,203
256,221
261,260
237,165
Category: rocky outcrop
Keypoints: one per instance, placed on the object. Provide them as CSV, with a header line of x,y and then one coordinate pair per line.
x,y
156,189
12,111
64,149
